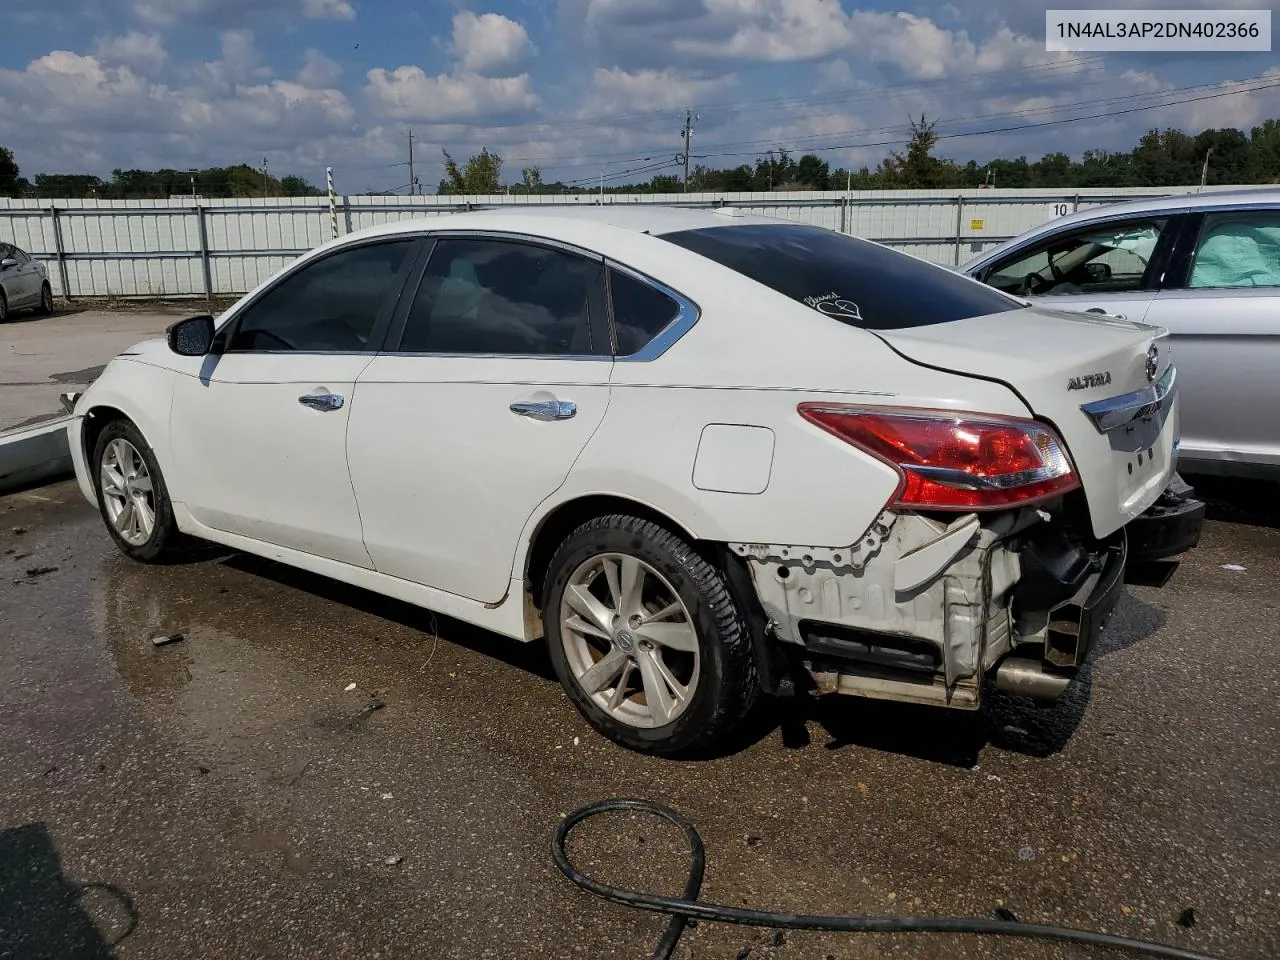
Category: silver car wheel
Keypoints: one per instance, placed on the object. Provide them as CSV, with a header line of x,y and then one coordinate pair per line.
x,y
127,492
46,299
629,640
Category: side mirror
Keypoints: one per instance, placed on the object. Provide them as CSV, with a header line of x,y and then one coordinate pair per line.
x,y
1097,272
8,263
191,337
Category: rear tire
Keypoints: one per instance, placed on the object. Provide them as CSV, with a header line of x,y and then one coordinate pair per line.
x,y
46,300
132,495
4,308
646,638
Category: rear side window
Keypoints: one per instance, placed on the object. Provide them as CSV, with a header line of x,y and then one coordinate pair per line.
x,y
854,281
1237,250
640,312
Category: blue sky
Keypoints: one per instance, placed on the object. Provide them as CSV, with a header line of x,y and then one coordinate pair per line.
x,y
575,87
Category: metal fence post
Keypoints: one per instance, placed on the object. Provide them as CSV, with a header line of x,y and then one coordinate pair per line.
x,y
346,213
333,204
61,251
844,214
959,227
1075,205
203,234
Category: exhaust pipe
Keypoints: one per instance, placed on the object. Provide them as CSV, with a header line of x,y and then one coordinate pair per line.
x,y
1027,678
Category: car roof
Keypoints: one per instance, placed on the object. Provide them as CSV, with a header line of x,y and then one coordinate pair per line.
x,y
651,218
1170,203
1182,201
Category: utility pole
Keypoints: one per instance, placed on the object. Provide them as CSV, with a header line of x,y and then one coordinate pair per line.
x,y
411,180
266,182
687,136
602,188
1204,171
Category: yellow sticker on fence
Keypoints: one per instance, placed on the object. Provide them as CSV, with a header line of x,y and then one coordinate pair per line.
x,y
977,224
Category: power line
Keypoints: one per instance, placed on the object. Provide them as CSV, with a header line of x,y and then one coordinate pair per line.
x,y
1035,125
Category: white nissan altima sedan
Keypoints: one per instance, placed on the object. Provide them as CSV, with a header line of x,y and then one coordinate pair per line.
x,y
704,456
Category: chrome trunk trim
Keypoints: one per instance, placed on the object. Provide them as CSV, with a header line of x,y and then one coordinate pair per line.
x,y
1114,412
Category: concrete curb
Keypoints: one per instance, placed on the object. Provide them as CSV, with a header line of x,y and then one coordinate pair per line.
x,y
36,454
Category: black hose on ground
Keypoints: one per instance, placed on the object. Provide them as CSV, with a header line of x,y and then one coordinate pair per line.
x,y
688,907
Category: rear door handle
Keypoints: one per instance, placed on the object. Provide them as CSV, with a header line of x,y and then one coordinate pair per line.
x,y
321,401
1099,310
545,410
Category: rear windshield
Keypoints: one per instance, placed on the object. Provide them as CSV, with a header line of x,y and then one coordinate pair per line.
x,y
854,281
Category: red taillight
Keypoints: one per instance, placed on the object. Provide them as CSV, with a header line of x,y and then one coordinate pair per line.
x,y
955,461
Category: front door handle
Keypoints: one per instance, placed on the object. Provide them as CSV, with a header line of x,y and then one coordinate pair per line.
x,y
545,410
321,401
1099,310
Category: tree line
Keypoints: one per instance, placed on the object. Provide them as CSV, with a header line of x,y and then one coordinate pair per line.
x,y
241,180
1161,158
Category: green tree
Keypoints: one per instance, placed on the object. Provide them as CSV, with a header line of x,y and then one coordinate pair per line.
x,y
531,180
480,175
813,173
1264,153
295,186
1051,170
918,167
70,185
8,173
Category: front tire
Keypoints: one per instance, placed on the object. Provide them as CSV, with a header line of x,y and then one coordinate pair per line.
x,y
132,495
646,638
4,308
46,300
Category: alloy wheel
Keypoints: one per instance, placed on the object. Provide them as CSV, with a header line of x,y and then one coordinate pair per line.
x,y
128,492
629,640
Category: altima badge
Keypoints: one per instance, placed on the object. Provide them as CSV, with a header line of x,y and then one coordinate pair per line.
x,y
1153,362
1089,381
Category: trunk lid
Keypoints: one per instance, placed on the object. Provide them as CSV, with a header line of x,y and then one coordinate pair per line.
x,y
1090,377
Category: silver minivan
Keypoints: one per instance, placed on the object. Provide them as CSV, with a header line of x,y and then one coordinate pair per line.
x,y
1204,266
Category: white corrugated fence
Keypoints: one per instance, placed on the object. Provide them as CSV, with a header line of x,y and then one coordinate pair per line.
x,y
196,248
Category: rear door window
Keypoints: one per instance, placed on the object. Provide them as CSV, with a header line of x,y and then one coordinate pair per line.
x,y
853,281
1236,250
500,297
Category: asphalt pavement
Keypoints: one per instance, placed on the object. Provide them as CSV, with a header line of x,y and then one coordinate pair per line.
x,y
43,357
233,795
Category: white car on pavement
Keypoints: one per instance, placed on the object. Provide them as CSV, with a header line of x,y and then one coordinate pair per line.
x,y
702,455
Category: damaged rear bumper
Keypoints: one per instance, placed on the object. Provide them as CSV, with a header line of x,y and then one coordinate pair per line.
x,y
929,611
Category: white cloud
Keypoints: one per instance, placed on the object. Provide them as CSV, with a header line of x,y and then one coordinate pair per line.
x,y
228,12
328,10
166,11
318,70
238,53
141,50
773,30
921,49
410,93
488,43
614,90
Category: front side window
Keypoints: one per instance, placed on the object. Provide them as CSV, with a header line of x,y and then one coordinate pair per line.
x,y
1110,258
20,256
504,297
853,281
1237,250
330,305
